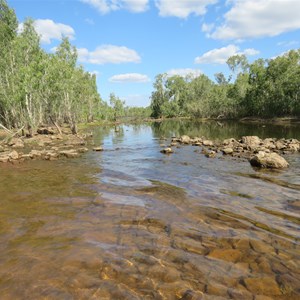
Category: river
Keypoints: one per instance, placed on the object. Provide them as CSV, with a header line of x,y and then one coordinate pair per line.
x,y
132,223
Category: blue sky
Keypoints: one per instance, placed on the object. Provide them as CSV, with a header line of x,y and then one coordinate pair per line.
x,y
128,42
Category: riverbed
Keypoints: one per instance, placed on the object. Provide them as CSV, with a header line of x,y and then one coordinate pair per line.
x,y
132,223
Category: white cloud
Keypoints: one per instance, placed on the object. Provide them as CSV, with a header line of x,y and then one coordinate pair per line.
x,y
108,54
207,27
129,77
184,72
106,6
182,9
49,30
258,18
288,43
220,55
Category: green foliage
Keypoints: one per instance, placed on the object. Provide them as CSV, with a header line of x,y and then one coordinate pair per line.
x,y
37,87
117,105
265,88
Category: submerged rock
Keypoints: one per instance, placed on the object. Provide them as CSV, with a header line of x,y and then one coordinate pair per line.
x,y
268,160
4,158
98,149
167,150
69,153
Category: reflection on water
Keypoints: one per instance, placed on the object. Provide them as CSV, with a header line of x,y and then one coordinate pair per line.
x,y
132,223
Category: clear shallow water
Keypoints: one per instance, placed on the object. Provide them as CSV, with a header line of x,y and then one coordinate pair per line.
x,y
132,223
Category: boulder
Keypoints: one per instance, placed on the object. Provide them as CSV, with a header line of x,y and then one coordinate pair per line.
x,y
185,139
231,143
251,142
208,143
268,160
227,150
280,145
1,149
167,150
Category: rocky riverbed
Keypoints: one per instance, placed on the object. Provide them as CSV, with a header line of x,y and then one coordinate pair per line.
x,y
265,153
46,144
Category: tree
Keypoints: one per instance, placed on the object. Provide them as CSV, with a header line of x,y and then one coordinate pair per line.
x,y
159,96
117,105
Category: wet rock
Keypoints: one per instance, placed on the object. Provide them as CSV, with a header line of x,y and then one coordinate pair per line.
x,y
209,154
231,255
261,297
239,293
173,144
268,160
216,289
185,139
262,286
261,247
14,155
98,149
167,150
227,150
192,295
69,153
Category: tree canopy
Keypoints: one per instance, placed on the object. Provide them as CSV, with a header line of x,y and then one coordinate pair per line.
x,y
264,88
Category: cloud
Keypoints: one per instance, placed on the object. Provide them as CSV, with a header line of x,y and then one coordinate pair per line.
x,y
108,54
207,27
89,21
288,43
182,9
258,18
129,77
184,72
49,30
106,6
220,55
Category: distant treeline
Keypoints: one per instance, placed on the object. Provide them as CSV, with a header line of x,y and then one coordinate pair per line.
x,y
264,88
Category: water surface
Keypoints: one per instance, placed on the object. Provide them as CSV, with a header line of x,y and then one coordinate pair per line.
x,y
132,223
